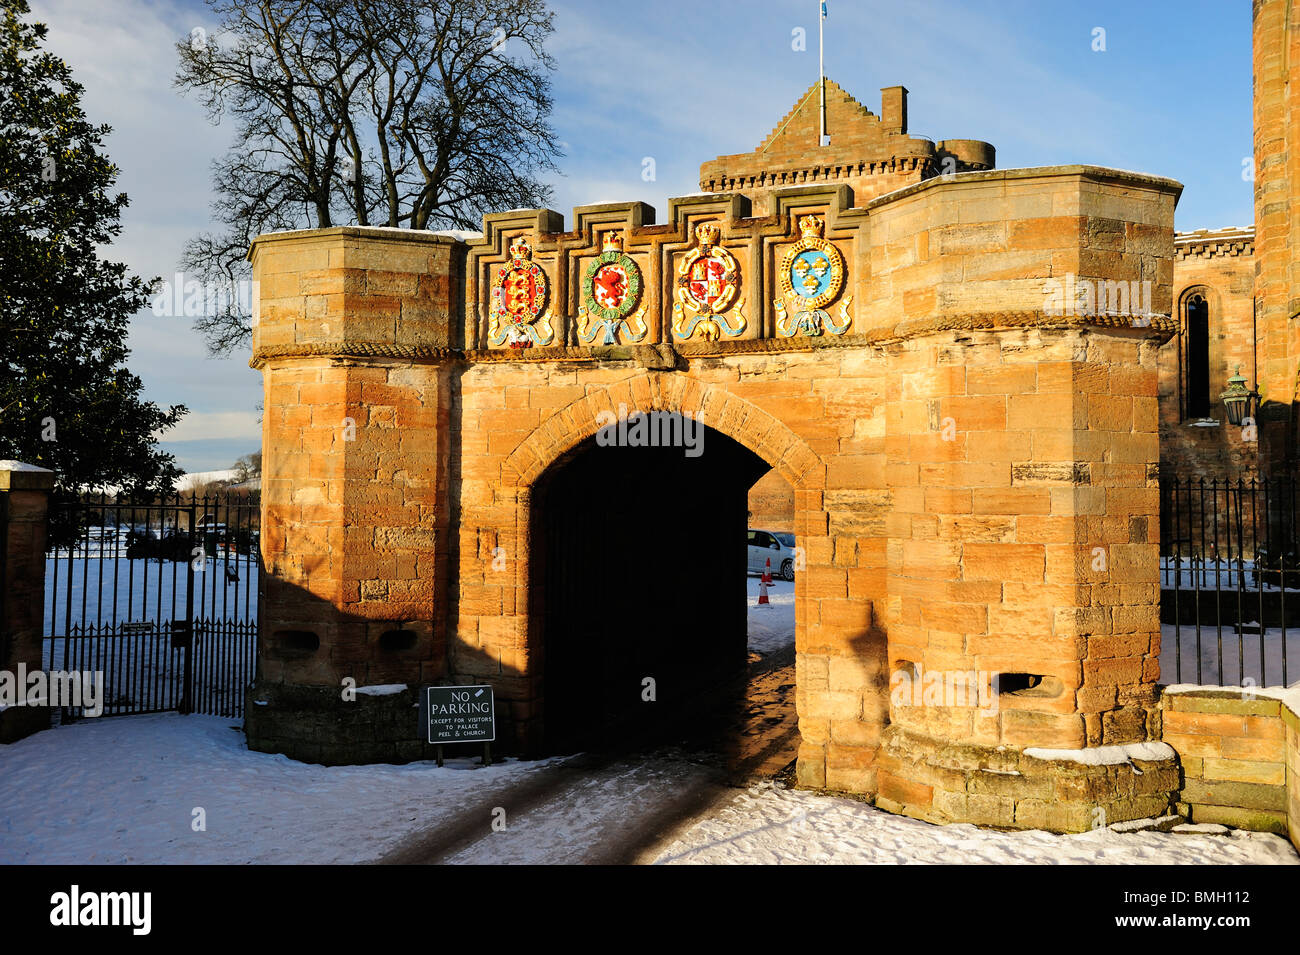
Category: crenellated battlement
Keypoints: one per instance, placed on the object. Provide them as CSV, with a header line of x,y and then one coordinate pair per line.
x,y
872,155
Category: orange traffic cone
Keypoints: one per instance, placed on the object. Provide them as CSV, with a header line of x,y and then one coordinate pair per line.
x,y
767,573
762,590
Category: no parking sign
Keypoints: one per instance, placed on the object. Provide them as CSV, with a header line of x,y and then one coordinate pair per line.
x,y
460,714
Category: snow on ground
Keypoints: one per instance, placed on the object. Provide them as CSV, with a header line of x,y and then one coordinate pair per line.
x,y
768,824
90,591
588,815
124,789
195,479
1237,650
1222,574
771,627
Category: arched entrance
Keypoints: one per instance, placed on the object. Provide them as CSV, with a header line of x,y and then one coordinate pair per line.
x,y
654,492
638,591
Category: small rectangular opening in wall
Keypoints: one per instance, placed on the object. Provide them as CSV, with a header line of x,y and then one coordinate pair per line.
x,y
295,643
1027,684
905,669
1017,682
396,640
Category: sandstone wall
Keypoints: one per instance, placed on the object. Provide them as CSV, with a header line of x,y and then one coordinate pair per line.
x,y
24,498
1013,241
355,464
1292,722
771,503
1221,266
1276,58
1239,758
1023,531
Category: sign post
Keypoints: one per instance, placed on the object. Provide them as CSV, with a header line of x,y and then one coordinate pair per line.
x,y
460,714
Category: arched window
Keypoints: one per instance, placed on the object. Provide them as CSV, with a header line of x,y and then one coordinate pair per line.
x,y
1196,356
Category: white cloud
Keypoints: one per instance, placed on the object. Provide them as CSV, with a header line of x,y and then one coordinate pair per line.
x,y
123,53
212,425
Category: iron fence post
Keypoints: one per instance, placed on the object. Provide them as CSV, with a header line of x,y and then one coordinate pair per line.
x,y
187,692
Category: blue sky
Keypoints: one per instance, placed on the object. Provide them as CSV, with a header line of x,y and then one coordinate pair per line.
x,y
682,82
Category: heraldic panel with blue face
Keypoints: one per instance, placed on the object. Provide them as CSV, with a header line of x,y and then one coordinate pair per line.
x,y
810,273
811,276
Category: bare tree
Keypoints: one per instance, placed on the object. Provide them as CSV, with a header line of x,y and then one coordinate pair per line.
x,y
248,466
407,113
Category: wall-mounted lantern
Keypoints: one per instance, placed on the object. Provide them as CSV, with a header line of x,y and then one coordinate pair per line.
x,y
1240,403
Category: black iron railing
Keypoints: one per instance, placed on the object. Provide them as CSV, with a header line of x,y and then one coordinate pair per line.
x,y
157,595
1230,581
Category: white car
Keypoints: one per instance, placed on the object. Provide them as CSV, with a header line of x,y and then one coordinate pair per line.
x,y
765,546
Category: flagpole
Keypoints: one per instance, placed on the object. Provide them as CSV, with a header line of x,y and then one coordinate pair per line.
x,y
821,64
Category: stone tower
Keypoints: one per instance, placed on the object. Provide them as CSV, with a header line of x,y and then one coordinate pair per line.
x,y
1277,227
870,154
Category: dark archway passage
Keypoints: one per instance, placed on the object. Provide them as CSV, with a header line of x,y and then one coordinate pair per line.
x,y
638,557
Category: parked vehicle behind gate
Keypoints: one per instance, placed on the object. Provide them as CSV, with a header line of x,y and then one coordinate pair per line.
x,y
765,546
174,545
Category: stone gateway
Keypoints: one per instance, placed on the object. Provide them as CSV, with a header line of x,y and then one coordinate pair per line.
x,y
973,470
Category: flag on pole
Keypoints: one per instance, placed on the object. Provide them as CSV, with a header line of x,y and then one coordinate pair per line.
x,y
821,69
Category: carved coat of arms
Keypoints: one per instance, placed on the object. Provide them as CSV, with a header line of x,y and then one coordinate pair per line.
x,y
811,276
611,292
519,298
708,282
